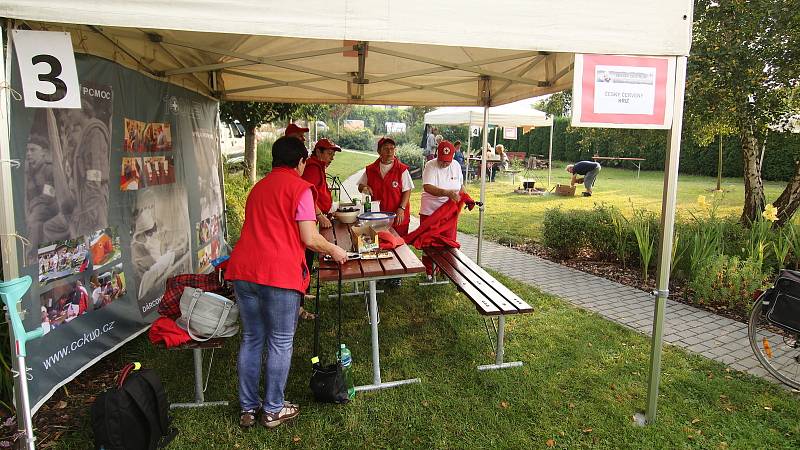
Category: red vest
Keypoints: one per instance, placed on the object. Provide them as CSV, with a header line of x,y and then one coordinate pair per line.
x,y
314,173
270,251
389,190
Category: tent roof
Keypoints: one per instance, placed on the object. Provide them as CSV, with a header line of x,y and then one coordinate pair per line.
x,y
454,52
518,114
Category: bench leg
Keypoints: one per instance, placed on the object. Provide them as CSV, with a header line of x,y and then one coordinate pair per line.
x,y
199,399
499,351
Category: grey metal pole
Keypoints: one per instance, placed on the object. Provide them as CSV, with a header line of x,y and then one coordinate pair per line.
x,y
197,353
668,206
484,145
24,407
550,154
373,320
501,335
469,150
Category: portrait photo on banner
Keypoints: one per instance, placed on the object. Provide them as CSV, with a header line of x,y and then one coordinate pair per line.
x,y
63,303
160,238
157,137
130,178
134,132
67,170
207,157
60,259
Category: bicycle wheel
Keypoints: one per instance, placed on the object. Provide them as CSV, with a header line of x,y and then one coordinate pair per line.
x,y
776,349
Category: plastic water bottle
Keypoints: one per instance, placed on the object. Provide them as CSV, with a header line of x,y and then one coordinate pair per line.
x,y
367,204
347,363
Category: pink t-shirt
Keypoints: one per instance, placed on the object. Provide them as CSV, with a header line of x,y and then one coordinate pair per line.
x,y
305,208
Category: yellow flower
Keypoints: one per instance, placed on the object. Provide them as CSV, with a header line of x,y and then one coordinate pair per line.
x,y
701,200
770,213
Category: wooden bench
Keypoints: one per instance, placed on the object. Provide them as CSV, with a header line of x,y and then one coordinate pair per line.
x,y
491,298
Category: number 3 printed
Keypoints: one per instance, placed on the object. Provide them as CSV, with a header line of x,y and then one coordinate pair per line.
x,y
52,78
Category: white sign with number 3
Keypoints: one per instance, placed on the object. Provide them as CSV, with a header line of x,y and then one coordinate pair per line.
x,y
47,68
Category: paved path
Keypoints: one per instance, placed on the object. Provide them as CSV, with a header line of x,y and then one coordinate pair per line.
x,y
696,330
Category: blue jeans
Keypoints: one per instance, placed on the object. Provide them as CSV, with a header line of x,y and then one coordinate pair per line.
x,y
269,317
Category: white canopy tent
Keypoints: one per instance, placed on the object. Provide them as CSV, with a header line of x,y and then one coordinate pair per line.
x,y
517,114
365,52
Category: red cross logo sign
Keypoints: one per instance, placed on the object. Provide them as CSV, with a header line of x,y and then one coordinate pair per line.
x,y
395,184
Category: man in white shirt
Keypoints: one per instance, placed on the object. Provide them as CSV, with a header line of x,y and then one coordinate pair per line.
x,y
442,181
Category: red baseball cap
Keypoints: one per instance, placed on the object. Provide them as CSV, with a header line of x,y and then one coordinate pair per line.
x,y
445,151
325,144
294,129
384,140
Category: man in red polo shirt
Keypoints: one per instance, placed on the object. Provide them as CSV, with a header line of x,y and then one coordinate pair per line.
x,y
321,157
388,181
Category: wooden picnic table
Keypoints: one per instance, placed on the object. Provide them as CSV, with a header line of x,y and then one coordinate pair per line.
x,y
403,263
636,161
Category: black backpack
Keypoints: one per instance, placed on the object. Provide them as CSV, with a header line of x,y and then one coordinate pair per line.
x,y
133,415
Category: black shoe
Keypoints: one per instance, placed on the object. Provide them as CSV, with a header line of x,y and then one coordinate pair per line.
x,y
587,194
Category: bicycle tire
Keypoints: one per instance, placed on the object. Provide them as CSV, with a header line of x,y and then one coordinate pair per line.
x,y
757,322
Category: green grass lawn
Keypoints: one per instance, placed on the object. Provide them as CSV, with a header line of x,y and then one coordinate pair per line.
x,y
349,162
511,217
583,378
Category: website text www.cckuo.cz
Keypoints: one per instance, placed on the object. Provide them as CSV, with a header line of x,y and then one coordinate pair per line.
x,y
87,337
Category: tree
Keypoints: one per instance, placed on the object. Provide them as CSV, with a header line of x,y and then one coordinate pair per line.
x,y
558,104
743,64
252,115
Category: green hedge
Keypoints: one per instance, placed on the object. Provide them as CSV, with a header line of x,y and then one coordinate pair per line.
x,y
574,144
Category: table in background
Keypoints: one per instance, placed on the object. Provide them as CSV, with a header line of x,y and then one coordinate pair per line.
x,y
636,162
404,263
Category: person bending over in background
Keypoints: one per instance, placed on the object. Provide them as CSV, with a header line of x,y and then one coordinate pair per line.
x,y
589,170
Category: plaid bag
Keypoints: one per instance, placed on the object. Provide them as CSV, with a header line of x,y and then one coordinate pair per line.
x,y
170,305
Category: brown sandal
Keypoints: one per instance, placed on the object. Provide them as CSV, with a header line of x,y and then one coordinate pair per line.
x,y
287,413
247,418
306,315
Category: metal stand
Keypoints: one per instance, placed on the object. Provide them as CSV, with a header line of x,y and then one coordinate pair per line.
x,y
499,351
199,399
356,292
434,280
376,362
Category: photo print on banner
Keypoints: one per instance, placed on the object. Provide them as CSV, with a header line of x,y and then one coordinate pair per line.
x,y
159,170
157,137
206,229
67,168
130,178
207,254
106,285
64,303
160,240
104,247
134,130
61,259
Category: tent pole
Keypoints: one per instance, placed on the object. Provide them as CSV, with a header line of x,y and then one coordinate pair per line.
x,y
483,180
550,155
668,206
469,150
8,238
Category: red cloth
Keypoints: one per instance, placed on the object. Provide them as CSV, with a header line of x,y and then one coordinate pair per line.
x,y
439,229
270,251
389,241
314,173
167,331
170,305
389,190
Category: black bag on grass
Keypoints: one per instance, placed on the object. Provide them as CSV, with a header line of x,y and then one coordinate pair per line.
x,y
328,382
133,415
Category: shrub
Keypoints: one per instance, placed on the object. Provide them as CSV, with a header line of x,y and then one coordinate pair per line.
x,y
236,189
264,157
411,155
642,225
563,232
361,139
600,231
728,281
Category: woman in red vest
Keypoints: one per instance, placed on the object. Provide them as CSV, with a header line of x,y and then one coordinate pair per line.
x,y
322,156
269,274
388,180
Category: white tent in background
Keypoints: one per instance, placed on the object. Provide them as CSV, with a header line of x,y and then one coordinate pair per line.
x,y
517,114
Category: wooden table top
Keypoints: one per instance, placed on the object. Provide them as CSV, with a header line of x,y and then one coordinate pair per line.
x,y
402,263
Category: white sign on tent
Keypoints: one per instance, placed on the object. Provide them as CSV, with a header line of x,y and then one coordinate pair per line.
x,y
47,69
613,91
510,133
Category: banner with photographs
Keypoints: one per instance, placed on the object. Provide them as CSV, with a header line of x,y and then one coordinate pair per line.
x,y
114,198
